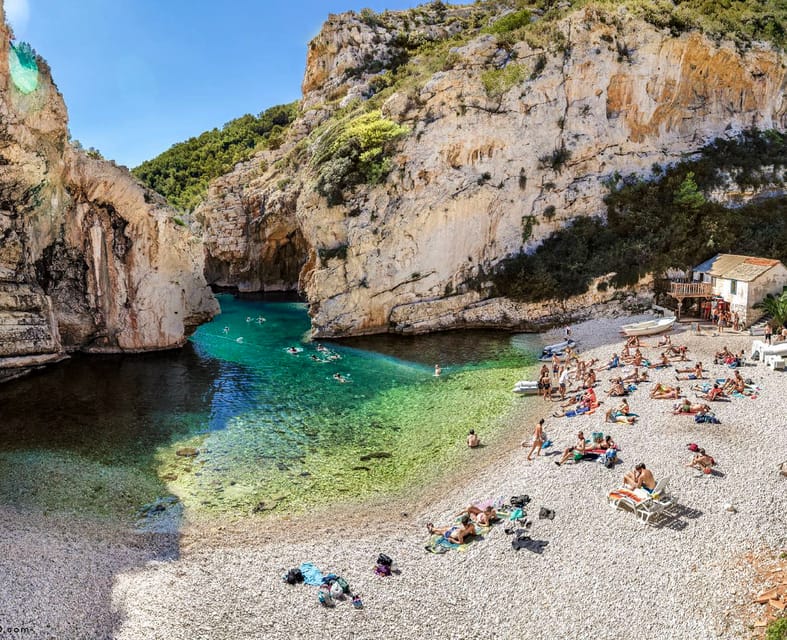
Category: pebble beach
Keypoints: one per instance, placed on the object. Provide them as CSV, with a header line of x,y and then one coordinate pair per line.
x,y
602,574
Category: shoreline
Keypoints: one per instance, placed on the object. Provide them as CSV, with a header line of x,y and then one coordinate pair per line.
x,y
603,572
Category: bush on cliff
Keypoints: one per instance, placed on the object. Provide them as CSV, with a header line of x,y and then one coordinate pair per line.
x,y
354,151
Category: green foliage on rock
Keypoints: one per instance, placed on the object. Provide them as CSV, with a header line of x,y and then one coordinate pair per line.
x,y
354,151
499,81
665,222
182,173
776,307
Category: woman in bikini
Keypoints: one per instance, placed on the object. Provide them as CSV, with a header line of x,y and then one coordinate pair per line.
x,y
456,533
537,441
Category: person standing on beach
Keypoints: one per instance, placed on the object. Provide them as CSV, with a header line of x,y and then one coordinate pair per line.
x,y
539,437
768,332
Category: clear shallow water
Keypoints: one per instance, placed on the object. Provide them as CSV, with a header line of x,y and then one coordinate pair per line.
x,y
270,427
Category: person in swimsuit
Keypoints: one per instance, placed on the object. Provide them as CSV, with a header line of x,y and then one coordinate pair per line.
x,y
456,533
578,448
537,441
472,439
640,477
701,461
665,392
695,373
483,517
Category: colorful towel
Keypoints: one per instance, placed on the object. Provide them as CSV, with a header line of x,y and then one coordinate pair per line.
x,y
311,574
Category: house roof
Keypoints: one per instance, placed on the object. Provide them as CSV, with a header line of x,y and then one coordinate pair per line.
x,y
732,267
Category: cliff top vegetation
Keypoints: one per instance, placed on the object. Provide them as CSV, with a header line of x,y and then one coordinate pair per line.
x,y
182,173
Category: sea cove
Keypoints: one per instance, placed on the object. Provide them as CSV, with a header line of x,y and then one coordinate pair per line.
x,y
235,422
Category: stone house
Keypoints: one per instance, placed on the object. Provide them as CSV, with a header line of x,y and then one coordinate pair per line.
x,y
742,281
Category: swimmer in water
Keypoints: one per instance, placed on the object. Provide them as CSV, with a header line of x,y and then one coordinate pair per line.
x,y
437,371
248,318
226,330
320,347
339,377
239,340
292,350
260,319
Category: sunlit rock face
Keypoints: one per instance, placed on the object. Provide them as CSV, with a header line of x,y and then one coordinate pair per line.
x,y
482,175
89,259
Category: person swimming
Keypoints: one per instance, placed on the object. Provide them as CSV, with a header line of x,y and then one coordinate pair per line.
x,y
239,340
340,378
226,330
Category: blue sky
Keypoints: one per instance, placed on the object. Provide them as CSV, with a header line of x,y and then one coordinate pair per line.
x,y
141,75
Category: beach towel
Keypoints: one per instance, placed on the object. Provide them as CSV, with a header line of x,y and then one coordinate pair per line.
x,y
438,543
311,574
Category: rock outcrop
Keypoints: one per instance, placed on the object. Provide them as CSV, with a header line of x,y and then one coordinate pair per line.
x,y
491,166
89,259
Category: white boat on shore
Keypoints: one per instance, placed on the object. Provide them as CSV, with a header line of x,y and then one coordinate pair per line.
x,y
648,327
526,388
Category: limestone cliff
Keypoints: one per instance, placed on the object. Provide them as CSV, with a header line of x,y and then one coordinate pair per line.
x,y
89,259
507,142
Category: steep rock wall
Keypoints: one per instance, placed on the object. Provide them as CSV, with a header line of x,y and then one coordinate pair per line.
x,y
482,177
89,259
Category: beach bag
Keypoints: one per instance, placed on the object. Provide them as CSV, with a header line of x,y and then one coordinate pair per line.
x,y
384,560
520,501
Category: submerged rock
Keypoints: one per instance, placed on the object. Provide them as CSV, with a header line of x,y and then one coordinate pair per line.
x,y
187,452
377,455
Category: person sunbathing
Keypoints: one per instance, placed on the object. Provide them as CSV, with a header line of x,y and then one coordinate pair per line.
x,y
665,341
734,384
456,533
723,355
664,362
688,407
617,388
613,363
483,517
620,414
640,477
665,392
633,341
701,461
577,450
608,443
590,379
714,394
678,353
636,359
695,373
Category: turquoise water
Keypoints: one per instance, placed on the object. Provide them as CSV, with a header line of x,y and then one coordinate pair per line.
x,y
270,429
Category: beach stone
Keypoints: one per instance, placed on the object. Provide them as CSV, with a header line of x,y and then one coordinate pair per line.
x,y
783,468
187,452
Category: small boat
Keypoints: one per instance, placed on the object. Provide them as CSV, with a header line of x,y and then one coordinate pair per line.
x,y
558,347
648,327
526,388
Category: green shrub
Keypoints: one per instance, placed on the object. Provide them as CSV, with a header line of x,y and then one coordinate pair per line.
x,y
777,630
510,22
498,81
354,151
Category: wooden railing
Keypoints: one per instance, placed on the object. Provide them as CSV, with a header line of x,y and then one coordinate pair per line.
x,y
691,289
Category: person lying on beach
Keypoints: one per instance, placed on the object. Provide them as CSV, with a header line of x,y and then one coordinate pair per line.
x,y
620,414
714,394
617,388
636,359
613,363
701,461
665,392
640,477
633,341
660,364
695,373
484,517
456,533
608,443
677,352
577,450
686,406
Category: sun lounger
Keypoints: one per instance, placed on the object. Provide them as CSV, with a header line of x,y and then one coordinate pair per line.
x,y
643,504
760,349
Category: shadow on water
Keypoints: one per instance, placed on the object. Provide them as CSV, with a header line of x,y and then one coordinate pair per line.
x,y
80,497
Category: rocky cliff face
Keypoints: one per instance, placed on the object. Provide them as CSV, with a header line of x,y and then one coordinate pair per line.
x,y
89,259
491,165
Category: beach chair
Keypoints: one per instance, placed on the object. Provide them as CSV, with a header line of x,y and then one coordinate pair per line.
x,y
644,505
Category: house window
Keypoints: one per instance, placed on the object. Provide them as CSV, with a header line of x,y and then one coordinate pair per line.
x,y
733,287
